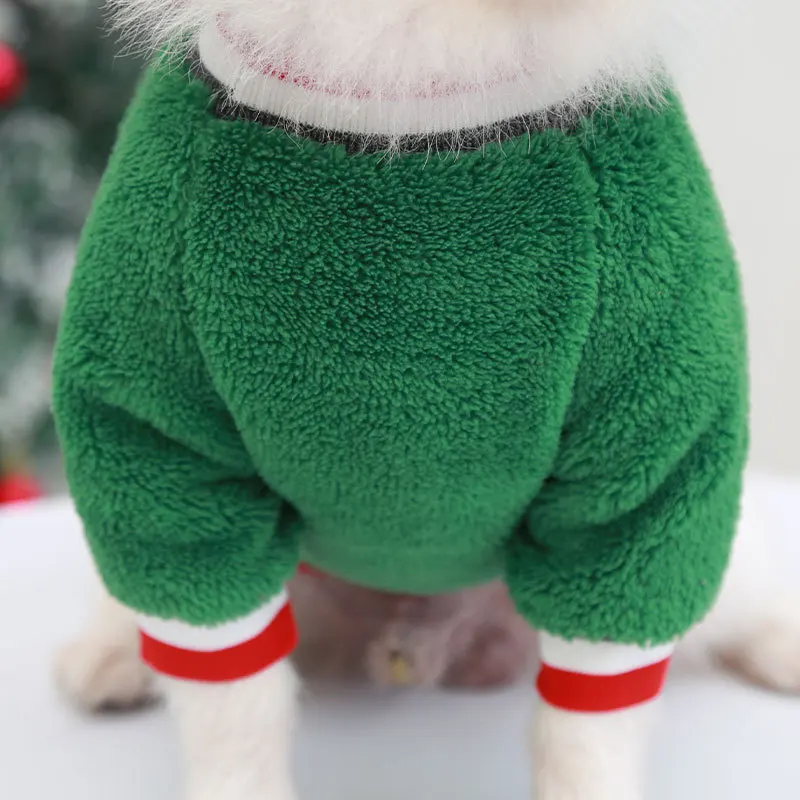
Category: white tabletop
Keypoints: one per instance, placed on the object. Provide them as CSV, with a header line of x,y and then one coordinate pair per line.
x,y
718,739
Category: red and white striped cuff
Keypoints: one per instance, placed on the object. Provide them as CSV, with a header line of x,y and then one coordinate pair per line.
x,y
222,653
596,677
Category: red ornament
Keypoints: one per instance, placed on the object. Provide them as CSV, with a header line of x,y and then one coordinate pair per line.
x,y
12,75
17,487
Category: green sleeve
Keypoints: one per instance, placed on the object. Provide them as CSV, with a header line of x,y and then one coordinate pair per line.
x,y
179,523
629,537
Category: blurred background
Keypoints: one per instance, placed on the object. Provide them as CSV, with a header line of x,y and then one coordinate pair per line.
x,y
63,89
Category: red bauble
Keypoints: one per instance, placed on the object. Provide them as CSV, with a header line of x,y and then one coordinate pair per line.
x,y
12,75
16,487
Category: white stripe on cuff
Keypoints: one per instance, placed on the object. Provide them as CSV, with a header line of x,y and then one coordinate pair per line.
x,y
598,658
208,639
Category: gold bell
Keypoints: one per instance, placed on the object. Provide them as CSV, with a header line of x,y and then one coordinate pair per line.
x,y
400,669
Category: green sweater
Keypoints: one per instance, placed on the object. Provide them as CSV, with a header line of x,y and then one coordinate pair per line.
x,y
417,373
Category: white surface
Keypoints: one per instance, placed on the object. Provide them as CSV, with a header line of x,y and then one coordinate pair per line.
x,y
718,739
741,101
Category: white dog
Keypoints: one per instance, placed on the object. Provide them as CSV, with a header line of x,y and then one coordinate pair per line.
x,y
236,736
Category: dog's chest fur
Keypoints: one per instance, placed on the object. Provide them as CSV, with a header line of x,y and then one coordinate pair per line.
x,y
420,66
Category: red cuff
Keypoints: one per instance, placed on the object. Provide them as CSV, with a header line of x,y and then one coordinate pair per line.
x,y
575,691
238,660
584,676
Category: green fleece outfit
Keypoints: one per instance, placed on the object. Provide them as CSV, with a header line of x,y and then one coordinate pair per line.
x,y
416,373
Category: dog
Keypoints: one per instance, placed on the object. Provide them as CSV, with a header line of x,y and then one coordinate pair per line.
x,y
514,341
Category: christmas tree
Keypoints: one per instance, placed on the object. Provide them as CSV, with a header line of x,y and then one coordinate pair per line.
x,y
63,90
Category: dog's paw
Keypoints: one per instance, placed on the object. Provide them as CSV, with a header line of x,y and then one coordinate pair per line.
x,y
769,656
98,675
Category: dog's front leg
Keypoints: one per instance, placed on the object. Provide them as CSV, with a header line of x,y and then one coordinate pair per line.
x,y
587,756
236,736
592,725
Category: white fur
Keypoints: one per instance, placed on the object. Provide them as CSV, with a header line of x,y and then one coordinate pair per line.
x,y
590,756
564,51
754,627
102,668
236,737
445,106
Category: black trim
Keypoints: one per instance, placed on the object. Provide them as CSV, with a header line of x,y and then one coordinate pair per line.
x,y
561,118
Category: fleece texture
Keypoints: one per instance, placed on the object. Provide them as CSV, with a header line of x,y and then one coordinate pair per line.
x,y
417,373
